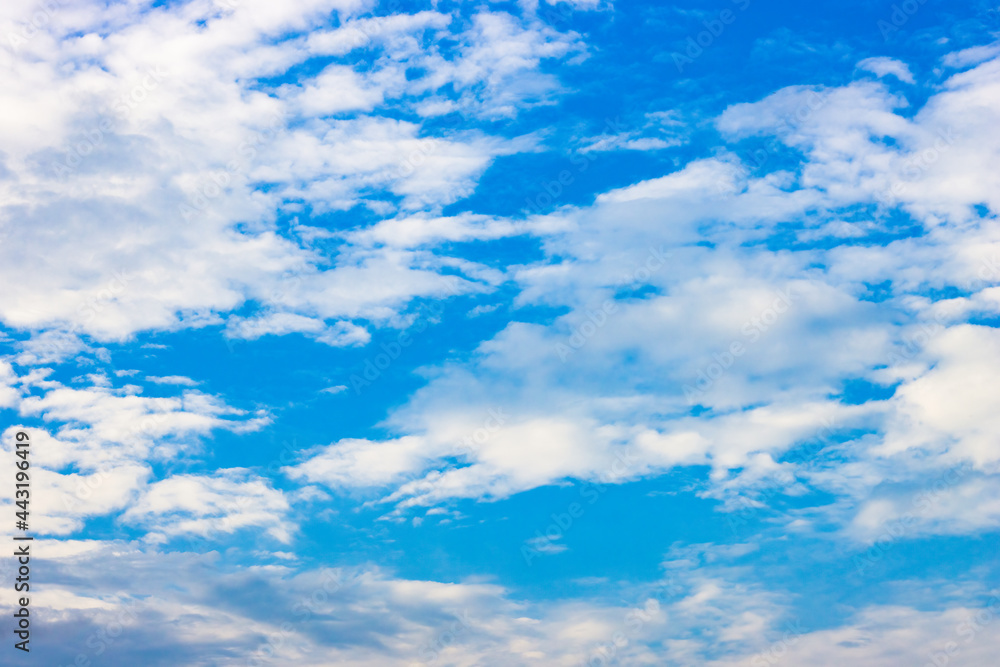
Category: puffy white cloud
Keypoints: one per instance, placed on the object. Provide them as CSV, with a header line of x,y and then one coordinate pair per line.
x,y
173,379
280,324
50,347
202,609
139,169
9,395
936,168
421,230
227,501
205,609
957,502
337,88
880,635
971,56
674,301
149,159
882,66
101,427
92,457
944,405
607,379
363,462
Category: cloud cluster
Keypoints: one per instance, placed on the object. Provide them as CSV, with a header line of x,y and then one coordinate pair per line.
x,y
808,306
155,168
201,609
718,349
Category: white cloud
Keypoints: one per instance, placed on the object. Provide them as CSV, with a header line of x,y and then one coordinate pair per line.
x,y
151,161
173,379
881,635
882,67
62,502
280,324
422,230
362,462
9,396
227,501
360,616
619,381
155,132
336,89
101,427
971,56
368,617
950,407
50,347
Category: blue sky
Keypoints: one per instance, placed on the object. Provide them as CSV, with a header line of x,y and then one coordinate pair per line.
x,y
504,333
